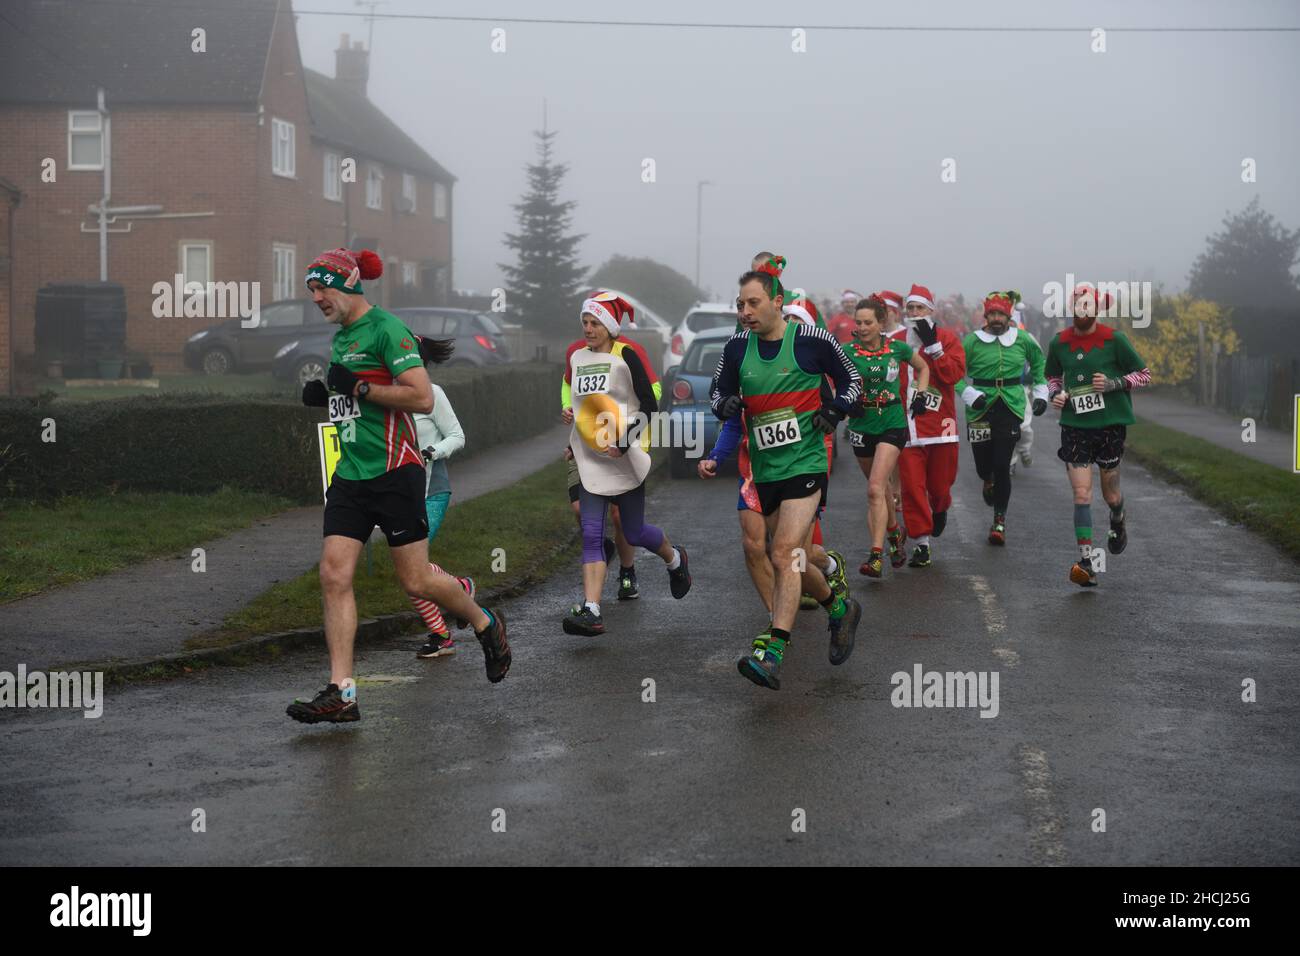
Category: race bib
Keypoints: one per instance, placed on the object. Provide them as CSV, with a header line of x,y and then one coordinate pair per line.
x,y
343,407
857,439
979,433
1085,401
933,400
776,428
591,380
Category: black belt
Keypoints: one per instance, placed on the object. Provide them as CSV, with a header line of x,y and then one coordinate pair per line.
x,y
996,382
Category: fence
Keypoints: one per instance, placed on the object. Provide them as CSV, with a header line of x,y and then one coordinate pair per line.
x,y
1262,388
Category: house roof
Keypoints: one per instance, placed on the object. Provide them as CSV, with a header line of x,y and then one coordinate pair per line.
x,y
342,117
60,51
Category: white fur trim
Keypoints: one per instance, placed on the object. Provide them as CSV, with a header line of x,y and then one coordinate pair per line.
x,y
599,310
800,313
919,298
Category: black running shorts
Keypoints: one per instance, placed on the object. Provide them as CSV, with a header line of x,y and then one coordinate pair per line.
x,y
772,493
1084,446
393,500
864,445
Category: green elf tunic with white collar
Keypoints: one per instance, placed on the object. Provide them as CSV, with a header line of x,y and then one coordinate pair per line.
x,y
994,365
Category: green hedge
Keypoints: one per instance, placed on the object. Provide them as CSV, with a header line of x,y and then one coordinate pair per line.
x,y
197,444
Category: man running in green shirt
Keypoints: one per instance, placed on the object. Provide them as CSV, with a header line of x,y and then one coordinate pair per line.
x,y
376,381
773,371
995,399
1091,368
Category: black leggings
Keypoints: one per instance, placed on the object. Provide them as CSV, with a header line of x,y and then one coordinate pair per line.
x,y
993,457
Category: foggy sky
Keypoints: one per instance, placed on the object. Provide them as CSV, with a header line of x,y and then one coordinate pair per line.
x,y
1111,166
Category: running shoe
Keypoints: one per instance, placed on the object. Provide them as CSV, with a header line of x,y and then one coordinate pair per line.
x,y
679,581
326,707
1117,539
940,520
762,664
471,590
496,649
838,581
844,631
436,645
627,589
998,533
583,620
920,557
988,493
1082,573
897,556
610,550
874,566
808,603
1026,457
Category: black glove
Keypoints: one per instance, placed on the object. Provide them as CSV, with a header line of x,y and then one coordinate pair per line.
x,y
918,405
827,418
1039,407
341,379
857,409
979,404
926,332
730,407
315,394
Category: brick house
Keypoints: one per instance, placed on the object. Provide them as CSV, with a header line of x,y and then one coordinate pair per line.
x,y
227,158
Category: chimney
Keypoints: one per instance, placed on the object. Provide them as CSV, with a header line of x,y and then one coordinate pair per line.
x,y
352,65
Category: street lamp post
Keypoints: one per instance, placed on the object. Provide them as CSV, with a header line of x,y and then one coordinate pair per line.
x,y
699,206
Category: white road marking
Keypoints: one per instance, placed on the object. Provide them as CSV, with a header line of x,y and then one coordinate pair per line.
x,y
995,621
1045,825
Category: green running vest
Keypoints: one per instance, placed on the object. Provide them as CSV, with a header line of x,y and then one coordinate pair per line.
x,y
780,399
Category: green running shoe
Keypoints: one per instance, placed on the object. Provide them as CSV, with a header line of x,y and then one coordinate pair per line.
x,y
838,582
762,664
844,631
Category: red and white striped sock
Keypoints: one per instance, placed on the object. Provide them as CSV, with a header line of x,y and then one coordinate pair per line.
x,y
428,611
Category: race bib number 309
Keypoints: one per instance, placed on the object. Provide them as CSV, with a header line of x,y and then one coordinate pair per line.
x,y
343,407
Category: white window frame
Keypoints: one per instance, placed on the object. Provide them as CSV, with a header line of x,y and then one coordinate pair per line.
x,y
410,274
333,190
182,247
375,179
285,164
409,190
441,200
283,281
96,130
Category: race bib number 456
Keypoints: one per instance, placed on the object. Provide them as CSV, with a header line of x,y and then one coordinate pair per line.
x,y
591,380
776,428
343,407
1087,401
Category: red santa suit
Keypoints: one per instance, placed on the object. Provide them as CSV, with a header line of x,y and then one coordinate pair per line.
x,y
927,466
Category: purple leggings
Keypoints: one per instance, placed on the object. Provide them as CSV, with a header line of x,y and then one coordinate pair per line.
x,y
631,510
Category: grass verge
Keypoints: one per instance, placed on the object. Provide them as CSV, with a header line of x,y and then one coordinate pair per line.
x,y
49,544
530,521
1263,498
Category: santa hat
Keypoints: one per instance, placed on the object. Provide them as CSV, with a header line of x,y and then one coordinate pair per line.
x,y
848,295
891,299
1085,289
999,302
921,294
610,308
341,269
804,309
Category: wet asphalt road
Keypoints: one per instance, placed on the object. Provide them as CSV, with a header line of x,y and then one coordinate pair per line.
x,y
1126,698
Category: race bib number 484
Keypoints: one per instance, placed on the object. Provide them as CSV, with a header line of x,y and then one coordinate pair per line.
x,y
591,380
343,407
1087,401
776,428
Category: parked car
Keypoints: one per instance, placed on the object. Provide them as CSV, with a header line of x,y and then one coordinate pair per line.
x,y
478,340
686,393
229,347
699,318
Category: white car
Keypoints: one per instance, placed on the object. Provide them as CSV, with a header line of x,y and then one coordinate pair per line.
x,y
699,318
647,320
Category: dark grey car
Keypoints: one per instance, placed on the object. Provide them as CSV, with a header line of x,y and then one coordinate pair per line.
x,y
229,347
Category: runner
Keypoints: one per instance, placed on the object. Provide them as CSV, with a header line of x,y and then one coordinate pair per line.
x,y
895,329
928,464
1024,447
995,400
377,381
440,436
773,372
841,324
627,586
611,387
1091,368
878,431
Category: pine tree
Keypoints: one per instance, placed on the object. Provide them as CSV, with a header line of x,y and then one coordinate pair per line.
x,y
545,287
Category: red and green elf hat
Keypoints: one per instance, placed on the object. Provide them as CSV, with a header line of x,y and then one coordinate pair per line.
x,y
344,270
1004,302
774,267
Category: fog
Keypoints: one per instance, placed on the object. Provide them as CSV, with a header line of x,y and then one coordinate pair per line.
x,y
1109,165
